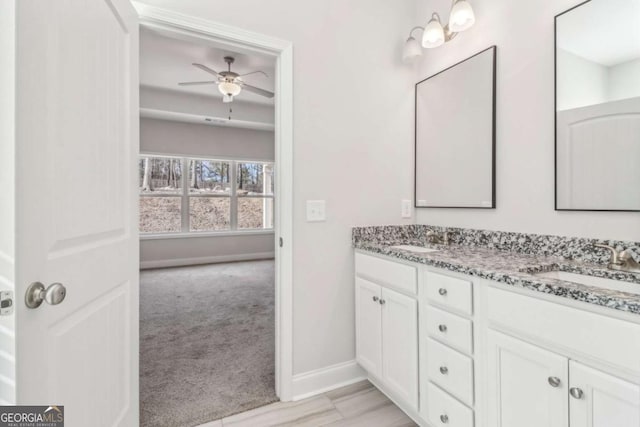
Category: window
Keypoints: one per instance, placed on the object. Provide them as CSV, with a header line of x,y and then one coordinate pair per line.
x,y
204,195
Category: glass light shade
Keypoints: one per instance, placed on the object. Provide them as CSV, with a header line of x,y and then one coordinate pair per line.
x,y
411,50
229,88
433,35
462,16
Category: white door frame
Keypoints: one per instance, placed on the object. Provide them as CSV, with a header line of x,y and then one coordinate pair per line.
x,y
190,27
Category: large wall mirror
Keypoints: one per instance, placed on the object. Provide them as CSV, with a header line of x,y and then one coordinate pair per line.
x,y
598,106
455,135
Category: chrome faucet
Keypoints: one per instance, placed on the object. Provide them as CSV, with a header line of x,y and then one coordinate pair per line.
x,y
621,261
438,238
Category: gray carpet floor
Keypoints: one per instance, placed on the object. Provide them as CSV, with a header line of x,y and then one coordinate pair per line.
x,y
206,342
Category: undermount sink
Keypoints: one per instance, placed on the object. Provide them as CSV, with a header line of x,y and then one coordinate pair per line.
x,y
599,282
418,249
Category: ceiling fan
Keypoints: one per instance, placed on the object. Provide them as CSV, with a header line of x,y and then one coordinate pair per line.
x,y
230,84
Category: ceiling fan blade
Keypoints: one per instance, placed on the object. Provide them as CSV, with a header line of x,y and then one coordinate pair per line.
x,y
257,90
205,69
255,72
197,83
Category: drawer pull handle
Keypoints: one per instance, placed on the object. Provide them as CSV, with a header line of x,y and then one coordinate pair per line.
x,y
554,381
576,393
375,299
442,291
442,328
444,370
444,419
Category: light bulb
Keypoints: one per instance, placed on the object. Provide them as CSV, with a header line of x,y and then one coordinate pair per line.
x,y
461,17
411,50
229,88
433,35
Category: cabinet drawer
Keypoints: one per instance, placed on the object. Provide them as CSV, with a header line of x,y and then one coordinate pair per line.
x,y
444,410
451,370
594,335
450,292
451,329
401,276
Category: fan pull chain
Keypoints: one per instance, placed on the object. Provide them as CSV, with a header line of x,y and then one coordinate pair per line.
x,y
230,111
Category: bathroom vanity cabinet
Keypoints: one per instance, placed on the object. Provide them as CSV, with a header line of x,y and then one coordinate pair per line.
x,y
456,350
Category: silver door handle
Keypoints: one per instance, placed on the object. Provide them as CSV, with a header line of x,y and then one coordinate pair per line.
x,y
554,381
36,293
576,392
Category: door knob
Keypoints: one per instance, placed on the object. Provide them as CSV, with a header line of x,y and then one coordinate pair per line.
x,y
382,302
576,392
444,419
554,381
442,328
442,291
375,299
36,293
444,370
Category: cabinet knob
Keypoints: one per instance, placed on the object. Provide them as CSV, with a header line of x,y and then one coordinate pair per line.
x,y
444,419
444,370
375,299
442,328
554,381
576,392
442,291
382,302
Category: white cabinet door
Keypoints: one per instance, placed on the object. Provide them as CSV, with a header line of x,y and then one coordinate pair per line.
x,y
75,162
527,385
368,326
400,345
602,400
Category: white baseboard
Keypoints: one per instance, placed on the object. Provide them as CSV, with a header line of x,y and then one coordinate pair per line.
x,y
322,380
180,262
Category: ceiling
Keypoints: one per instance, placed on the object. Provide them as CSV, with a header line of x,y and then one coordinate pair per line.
x,y
165,61
603,31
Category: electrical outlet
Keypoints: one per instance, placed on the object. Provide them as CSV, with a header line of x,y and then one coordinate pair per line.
x,y
406,209
316,210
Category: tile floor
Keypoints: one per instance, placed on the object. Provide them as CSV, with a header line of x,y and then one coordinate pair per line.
x,y
360,404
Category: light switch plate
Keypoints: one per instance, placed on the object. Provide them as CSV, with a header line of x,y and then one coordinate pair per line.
x,y
406,209
316,210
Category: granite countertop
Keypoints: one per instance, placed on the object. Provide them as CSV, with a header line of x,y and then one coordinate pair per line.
x,y
516,269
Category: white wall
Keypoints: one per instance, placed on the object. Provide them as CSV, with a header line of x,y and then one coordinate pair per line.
x,y
580,82
523,32
350,126
167,137
624,80
202,105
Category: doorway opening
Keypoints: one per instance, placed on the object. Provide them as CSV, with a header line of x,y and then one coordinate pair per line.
x,y
215,220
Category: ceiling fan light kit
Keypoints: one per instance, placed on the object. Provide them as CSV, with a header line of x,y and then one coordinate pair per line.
x,y
230,84
434,34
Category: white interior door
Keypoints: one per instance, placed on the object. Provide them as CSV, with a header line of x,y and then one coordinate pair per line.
x,y
76,147
602,400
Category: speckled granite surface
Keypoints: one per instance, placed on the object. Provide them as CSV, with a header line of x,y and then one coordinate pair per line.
x,y
511,258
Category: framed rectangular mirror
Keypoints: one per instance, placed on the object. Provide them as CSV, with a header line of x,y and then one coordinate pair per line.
x,y
597,99
455,135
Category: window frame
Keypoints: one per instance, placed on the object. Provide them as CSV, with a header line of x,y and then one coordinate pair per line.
x,y
186,196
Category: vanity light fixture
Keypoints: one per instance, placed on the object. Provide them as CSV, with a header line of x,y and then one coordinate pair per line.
x,y
434,34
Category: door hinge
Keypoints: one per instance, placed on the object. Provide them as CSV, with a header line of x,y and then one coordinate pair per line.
x,y
6,303
281,242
